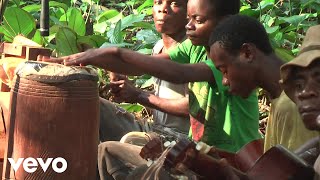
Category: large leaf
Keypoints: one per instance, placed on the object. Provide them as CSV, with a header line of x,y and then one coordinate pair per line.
x,y
100,27
87,41
66,40
115,35
38,38
147,36
129,20
17,21
147,3
99,40
107,15
131,107
297,19
37,7
76,22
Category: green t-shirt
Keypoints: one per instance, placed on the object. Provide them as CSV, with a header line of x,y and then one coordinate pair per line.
x,y
217,117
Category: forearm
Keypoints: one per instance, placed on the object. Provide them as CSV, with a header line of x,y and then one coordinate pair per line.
x,y
165,69
178,107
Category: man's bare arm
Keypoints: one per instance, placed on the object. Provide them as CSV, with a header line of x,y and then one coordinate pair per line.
x,y
128,62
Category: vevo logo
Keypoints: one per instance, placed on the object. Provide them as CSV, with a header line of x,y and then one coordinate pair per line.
x,y
30,165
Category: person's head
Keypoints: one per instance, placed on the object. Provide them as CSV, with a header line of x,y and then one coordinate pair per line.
x,y
300,79
236,45
170,16
204,15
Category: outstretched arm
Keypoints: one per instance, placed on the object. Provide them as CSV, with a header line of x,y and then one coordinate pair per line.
x,y
132,63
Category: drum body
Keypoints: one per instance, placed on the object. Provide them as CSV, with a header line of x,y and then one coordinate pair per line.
x,y
54,112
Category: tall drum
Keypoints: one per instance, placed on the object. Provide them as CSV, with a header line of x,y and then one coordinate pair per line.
x,y
54,114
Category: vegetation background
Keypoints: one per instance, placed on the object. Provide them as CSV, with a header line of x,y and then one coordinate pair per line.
x,y
76,26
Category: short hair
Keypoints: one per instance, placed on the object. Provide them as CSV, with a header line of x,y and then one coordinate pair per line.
x,y
223,8
236,30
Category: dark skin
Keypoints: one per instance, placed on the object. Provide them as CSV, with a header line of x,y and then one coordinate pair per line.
x,y
132,63
306,94
170,19
306,83
247,69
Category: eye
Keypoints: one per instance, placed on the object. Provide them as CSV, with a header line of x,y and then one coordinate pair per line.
x,y
299,85
174,3
157,2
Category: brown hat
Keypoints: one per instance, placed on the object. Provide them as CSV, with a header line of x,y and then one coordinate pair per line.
x,y
310,51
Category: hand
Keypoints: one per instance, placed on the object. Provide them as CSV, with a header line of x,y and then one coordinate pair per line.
x,y
95,57
124,91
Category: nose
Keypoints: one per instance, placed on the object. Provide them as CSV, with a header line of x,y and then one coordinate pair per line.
x,y
163,7
225,81
190,25
309,91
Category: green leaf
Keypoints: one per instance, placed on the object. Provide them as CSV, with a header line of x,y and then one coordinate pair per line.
x,y
129,20
17,21
100,27
147,36
107,44
145,51
295,20
86,40
284,54
76,22
148,83
144,25
38,38
37,7
131,107
147,3
99,40
66,40
115,35
107,15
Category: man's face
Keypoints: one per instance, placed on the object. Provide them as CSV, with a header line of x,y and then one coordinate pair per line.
x,y
238,75
306,82
170,16
201,21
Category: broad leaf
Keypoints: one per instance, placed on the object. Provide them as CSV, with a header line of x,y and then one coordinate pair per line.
x,y
66,40
147,36
107,44
87,40
147,3
17,21
115,35
131,107
37,7
129,20
76,22
38,38
107,15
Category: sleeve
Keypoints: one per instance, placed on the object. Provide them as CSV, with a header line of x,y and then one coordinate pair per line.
x,y
216,74
181,53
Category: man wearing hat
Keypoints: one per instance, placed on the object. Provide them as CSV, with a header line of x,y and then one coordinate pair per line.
x,y
301,82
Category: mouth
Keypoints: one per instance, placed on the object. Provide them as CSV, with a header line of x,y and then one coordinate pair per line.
x,y
307,110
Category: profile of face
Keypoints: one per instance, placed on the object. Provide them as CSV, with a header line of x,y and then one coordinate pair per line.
x,y
201,21
306,82
170,16
237,70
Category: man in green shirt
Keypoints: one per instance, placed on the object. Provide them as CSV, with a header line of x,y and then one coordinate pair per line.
x,y
218,118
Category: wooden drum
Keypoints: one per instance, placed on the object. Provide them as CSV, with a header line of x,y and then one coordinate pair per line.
x,y
54,112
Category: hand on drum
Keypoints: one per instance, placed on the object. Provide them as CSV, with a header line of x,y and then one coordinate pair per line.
x,y
95,57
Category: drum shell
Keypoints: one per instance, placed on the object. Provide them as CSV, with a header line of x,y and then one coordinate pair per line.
x,y
50,120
